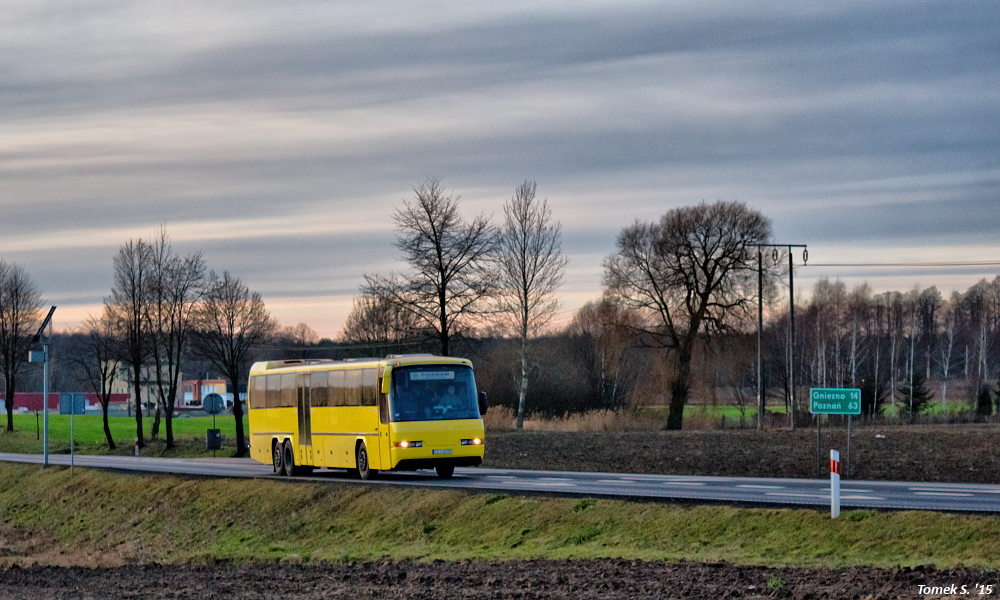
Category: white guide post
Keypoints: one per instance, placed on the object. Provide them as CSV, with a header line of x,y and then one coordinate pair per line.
x,y
834,484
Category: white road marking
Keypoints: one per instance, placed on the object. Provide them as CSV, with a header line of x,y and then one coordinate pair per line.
x,y
823,496
826,496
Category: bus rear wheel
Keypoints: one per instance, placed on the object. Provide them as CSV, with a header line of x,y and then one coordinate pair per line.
x,y
364,469
445,471
289,459
277,455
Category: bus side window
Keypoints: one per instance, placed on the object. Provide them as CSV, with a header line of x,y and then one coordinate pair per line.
x,y
288,390
320,392
258,391
338,396
352,383
369,386
273,396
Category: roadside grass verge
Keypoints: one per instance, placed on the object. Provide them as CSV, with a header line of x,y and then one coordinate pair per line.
x,y
97,518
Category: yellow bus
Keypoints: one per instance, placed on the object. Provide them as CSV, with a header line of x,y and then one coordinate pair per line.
x,y
402,412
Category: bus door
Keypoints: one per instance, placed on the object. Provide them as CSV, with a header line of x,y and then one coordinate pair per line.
x,y
303,383
384,441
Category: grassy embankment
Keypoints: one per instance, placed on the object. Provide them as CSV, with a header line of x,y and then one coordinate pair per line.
x,y
92,517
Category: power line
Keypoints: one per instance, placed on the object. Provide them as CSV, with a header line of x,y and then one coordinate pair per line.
x,y
975,263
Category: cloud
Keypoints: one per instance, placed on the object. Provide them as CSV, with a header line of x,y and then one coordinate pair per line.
x,y
277,137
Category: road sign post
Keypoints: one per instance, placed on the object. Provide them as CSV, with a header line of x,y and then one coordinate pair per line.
x,y
835,401
214,404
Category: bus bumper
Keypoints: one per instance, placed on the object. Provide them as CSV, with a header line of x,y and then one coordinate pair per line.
x,y
413,464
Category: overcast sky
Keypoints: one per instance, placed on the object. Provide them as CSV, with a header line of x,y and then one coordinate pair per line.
x,y
277,137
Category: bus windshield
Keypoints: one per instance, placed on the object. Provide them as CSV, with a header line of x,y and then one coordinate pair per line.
x,y
433,393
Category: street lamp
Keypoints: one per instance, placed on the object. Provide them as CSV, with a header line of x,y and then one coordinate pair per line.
x,y
43,357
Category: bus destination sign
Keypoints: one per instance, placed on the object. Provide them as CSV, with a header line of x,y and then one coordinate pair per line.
x,y
835,401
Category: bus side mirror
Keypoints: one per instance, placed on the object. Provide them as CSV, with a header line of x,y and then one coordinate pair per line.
x,y
483,403
385,380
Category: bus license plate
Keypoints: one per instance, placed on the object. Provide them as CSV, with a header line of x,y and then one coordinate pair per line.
x,y
441,451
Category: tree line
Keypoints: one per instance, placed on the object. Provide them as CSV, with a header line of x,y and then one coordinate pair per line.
x,y
673,283
465,276
904,350
676,319
164,309
891,345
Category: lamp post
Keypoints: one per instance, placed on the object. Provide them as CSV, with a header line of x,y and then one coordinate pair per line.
x,y
43,357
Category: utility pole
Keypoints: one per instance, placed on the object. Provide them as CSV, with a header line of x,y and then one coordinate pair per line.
x,y
790,347
760,346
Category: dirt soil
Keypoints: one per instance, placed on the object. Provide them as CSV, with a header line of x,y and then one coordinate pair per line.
x,y
944,453
605,579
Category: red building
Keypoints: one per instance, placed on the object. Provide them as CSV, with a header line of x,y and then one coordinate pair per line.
x,y
32,401
194,390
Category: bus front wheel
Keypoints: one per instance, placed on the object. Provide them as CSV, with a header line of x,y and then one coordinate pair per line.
x,y
445,470
364,469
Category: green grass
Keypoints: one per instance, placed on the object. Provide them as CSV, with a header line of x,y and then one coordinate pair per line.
x,y
190,434
732,413
177,520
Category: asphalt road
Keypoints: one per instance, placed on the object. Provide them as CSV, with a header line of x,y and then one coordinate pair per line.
x,y
735,490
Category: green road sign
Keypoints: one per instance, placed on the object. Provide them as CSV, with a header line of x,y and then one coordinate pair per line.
x,y
835,401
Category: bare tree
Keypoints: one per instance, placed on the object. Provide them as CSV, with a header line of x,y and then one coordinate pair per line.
x,y
97,352
607,330
20,305
828,303
531,265
377,323
859,314
895,315
452,279
297,339
175,285
230,323
691,274
945,350
127,305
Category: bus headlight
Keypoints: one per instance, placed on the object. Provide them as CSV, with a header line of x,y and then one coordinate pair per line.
x,y
472,442
408,444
